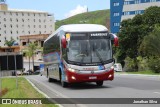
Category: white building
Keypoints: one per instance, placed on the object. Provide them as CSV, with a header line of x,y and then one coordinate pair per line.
x,y
15,23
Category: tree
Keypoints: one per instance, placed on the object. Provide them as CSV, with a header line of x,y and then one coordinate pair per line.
x,y
151,44
133,31
29,55
9,43
151,16
130,38
31,50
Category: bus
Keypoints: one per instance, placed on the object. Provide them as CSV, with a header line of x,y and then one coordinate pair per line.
x,y
80,53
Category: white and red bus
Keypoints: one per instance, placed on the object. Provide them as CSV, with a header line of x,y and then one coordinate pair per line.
x,y
80,53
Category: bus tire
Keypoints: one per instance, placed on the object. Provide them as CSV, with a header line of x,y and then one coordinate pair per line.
x,y
49,79
99,83
64,84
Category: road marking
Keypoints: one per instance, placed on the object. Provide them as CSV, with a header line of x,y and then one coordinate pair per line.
x,y
59,105
57,93
157,92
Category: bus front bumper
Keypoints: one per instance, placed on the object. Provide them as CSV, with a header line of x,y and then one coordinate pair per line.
x,y
73,77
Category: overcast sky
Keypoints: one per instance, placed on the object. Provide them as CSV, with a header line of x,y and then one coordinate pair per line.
x,y
60,8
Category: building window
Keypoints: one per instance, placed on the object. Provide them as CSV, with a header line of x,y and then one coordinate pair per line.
x,y
17,26
17,20
34,14
5,38
29,26
44,20
10,13
28,14
39,20
11,26
24,43
5,25
22,14
17,32
44,26
115,4
34,26
29,32
137,1
138,12
11,32
11,19
22,20
0,40
126,3
4,19
39,26
39,32
153,0
4,13
126,13
116,14
34,20
116,24
16,14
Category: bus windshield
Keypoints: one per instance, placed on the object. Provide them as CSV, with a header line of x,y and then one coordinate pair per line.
x,y
89,48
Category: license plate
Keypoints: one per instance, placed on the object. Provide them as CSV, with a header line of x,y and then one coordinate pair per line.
x,y
93,77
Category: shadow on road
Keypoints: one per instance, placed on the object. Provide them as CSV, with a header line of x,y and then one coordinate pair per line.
x,y
80,86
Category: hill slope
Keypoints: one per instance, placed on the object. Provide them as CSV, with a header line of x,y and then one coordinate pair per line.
x,y
95,17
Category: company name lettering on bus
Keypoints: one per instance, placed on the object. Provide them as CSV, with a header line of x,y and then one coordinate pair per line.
x,y
99,34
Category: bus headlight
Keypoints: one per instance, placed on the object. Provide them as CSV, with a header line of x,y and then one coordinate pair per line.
x,y
72,70
109,68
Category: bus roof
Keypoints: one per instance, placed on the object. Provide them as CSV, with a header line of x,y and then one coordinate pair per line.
x,y
79,28
83,28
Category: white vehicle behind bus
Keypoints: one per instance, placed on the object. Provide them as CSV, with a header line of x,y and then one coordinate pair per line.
x,y
117,67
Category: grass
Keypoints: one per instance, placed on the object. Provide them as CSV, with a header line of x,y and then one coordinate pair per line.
x,y
95,17
147,72
24,90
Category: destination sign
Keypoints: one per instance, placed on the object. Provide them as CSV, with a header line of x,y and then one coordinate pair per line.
x,y
99,34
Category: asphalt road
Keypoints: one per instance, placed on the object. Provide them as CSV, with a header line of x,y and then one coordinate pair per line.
x,y
123,86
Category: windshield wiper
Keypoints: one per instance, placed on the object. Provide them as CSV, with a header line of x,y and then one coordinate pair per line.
x,y
99,56
82,59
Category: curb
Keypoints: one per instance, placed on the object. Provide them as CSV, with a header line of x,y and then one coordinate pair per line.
x,y
41,91
140,75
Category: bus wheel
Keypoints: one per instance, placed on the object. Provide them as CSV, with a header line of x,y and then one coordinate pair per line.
x,y
64,84
99,83
49,79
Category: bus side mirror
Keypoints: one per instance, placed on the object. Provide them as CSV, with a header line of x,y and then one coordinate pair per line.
x,y
64,42
114,39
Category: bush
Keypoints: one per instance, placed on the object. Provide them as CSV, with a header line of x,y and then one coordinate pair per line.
x,y
130,64
154,64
